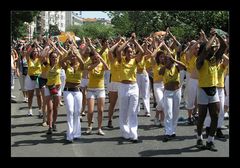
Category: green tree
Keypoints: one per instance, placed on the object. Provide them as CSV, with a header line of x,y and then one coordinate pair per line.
x,y
93,30
183,24
54,30
18,28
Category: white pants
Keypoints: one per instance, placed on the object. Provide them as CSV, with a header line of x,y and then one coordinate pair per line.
x,y
192,89
221,112
106,77
186,86
182,75
63,79
144,91
227,91
128,95
158,92
171,110
12,79
73,103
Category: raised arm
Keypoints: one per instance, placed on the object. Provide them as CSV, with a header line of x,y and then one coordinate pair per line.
x,y
156,49
221,50
112,49
55,47
103,62
77,54
174,39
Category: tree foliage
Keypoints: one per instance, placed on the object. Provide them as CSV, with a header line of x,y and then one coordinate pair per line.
x,y
18,28
183,24
93,30
54,30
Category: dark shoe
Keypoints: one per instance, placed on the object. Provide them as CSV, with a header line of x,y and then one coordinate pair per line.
x,y
54,127
190,121
110,124
49,131
210,146
69,141
135,140
200,144
219,134
207,129
173,135
166,138
154,104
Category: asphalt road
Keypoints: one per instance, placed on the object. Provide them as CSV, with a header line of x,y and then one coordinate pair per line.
x,y
29,139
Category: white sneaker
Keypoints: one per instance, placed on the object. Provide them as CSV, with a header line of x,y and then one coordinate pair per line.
x,y
25,100
61,103
13,97
30,112
100,132
226,115
147,114
156,121
89,130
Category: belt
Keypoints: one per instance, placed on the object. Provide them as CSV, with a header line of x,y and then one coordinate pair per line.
x,y
72,89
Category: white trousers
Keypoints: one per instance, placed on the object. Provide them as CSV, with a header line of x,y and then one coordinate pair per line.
x,y
158,92
185,93
144,91
207,121
171,101
182,75
128,95
107,77
227,91
192,89
73,103
63,79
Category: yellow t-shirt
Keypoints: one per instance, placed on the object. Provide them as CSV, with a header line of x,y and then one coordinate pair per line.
x,y
148,63
106,58
174,54
96,77
73,77
87,61
184,60
208,74
171,75
192,64
53,75
34,67
156,76
115,71
221,75
45,68
141,65
128,70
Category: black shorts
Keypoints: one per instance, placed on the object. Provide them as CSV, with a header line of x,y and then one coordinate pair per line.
x,y
42,82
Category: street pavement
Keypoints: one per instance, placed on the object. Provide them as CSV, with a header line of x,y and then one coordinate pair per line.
x,y
29,138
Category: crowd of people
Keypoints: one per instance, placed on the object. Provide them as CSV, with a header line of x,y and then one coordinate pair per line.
x,y
129,70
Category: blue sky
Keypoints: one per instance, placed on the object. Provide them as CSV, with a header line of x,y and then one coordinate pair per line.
x,y
94,14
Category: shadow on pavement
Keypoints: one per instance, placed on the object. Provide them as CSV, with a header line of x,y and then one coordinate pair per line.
x,y
150,153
